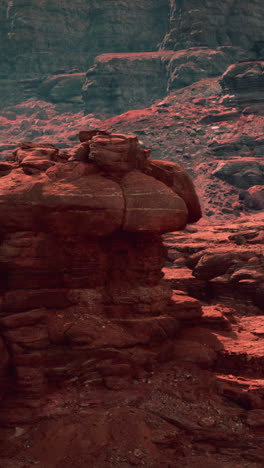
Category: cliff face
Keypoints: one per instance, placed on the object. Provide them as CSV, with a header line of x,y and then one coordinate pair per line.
x,y
41,38
118,82
213,24
46,36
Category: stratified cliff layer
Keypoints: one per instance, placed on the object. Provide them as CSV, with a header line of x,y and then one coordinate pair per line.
x,y
213,24
118,82
43,37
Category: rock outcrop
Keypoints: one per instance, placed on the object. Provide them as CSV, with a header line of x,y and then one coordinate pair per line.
x,y
242,85
244,173
65,88
118,82
81,256
196,63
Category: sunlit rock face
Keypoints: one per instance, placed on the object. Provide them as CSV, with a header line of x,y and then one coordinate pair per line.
x,y
81,255
45,36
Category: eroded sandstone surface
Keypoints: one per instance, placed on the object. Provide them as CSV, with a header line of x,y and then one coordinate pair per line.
x,y
81,258
196,400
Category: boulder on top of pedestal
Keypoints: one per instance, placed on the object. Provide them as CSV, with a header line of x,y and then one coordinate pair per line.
x,y
151,206
56,201
180,182
96,192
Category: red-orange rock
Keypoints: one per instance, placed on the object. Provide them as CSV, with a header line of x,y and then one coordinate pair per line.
x,y
91,205
151,206
180,182
80,261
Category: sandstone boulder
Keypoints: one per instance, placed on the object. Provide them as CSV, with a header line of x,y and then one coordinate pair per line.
x,y
117,153
179,181
151,206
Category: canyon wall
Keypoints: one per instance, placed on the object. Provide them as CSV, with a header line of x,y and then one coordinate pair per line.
x,y
216,23
39,37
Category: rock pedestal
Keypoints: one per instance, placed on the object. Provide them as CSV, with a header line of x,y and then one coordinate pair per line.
x,y
81,254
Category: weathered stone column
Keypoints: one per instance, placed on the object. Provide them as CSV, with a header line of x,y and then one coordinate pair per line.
x,y
81,257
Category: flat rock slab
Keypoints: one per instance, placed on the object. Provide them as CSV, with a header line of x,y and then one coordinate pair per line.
x,y
255,325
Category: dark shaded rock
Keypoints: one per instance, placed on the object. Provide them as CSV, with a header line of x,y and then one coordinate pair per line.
x,y
194,64
241,173
244,82
118,82
62,88
226,23
66,37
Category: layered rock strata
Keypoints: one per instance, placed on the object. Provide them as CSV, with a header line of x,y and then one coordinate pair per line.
x,y
242,84
227,23
35,38
81,254
118,82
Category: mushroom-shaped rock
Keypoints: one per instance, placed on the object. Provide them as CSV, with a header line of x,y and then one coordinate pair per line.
x,y
175,177
151,206
80,264
120,189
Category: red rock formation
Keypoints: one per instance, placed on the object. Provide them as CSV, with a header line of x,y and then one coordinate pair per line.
x,y
81,257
